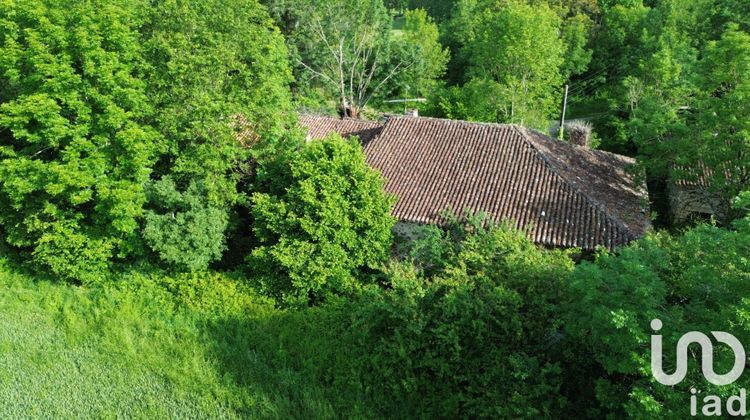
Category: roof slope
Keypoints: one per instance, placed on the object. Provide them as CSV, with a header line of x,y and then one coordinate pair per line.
x,y
605,178
565,195
321,126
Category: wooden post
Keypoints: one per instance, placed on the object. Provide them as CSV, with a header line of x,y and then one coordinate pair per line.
x,y
562,114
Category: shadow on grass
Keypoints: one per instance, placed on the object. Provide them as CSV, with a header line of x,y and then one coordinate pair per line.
x,y
299,362
13,260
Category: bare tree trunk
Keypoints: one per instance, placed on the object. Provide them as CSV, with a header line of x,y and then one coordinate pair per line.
x,y
352,67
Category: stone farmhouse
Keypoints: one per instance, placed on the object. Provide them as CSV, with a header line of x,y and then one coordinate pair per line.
x,y
562,194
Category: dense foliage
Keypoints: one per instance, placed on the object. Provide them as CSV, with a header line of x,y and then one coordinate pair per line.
x,y
76,146
330,220
184,228
101,100
696,282
475,338
145,144
204,71
665,80
515,53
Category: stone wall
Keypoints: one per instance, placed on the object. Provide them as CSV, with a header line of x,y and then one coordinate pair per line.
x,y
687,202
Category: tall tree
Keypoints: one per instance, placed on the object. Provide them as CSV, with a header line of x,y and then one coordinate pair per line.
x,y
215,66
330,219
344,47
418,45
76,148
517,52
348,52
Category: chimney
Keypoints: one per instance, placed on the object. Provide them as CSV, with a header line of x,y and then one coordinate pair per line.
x,y
412,113
579,133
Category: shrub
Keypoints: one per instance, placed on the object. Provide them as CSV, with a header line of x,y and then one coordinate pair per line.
x,y
332,220
698,281
184,229
476,339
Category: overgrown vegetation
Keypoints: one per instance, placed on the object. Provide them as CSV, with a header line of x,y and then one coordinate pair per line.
x,y
487,325
170,246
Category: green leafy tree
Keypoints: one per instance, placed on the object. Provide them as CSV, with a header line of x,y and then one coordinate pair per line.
x,y
723,122
331,220
76,148
741,204
575,34
695,282
517,50
216,68
341,48
476,100
397,5
99,98
418,45
650,59
724,12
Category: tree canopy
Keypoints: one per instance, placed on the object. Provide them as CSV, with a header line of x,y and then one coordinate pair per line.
x,y
76,143
350,54
331,219
515,52
99,99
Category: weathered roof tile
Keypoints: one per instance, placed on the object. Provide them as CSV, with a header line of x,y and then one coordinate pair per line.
x,y
565,195
321,126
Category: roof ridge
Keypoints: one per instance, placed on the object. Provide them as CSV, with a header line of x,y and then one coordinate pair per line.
x,y
484,123
338,118
597,205
498,125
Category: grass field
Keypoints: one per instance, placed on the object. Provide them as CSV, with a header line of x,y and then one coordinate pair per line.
x,y
165,347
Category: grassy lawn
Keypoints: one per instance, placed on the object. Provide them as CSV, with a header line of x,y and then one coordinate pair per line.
x,y
155,346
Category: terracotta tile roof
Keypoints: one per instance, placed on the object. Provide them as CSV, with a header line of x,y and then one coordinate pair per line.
x,y
715,159
700,175
696,176
321,126
606,179
245,130
565,195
